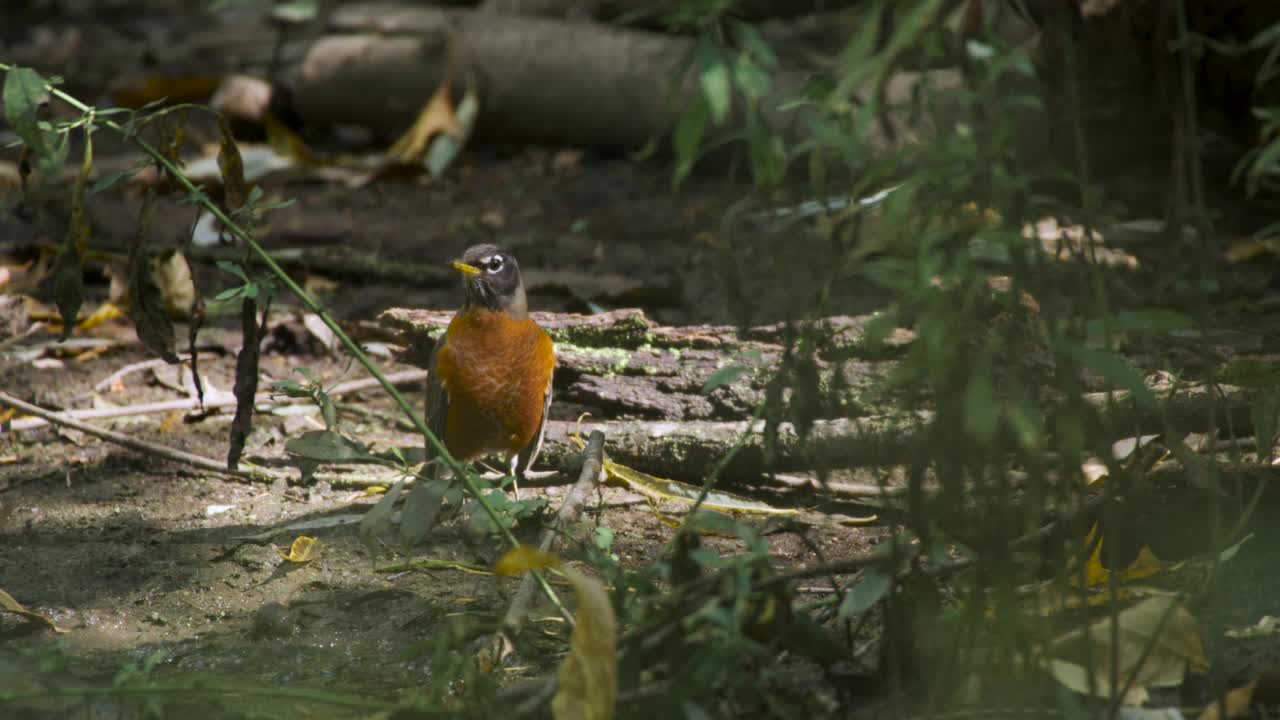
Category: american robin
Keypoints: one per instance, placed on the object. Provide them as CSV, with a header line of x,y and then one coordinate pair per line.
x,y
489,380
490,377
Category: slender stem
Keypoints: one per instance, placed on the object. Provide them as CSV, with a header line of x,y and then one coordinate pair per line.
x,y
714,476
134,444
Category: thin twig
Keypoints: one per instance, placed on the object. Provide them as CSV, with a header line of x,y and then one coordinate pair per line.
x,y
131,368
225,400
570,507
134,444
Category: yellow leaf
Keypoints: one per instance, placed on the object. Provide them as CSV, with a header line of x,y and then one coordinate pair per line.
x,y
588,684
523,559
172,421
435,117
1237,702
8,604
106,312
1145,565
1245,250
1161,623
302,550
589,676
656,488
286,142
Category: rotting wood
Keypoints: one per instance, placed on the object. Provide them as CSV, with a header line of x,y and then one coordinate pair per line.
x,y
648,378
622,365
626,85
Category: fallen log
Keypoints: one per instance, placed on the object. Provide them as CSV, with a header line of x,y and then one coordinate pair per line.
x,y
537,79
621,365
648,379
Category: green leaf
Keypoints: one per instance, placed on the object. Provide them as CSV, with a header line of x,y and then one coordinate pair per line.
x,y
109,181
688,136
874,584
230,294
327,410
233,268
604,538
766,151
1115,370
421,509
713,73
754,44
377,521
288,388
329,446
723,376
24,93
750,78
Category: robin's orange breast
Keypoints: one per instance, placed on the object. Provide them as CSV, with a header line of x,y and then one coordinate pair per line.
x,y
496,370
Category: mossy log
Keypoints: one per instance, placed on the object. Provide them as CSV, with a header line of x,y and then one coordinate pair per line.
x,y
647,381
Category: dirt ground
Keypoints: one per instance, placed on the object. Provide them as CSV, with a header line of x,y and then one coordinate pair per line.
x,y
134,555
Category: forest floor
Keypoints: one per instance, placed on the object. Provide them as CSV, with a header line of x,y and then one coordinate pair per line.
x,y
131,555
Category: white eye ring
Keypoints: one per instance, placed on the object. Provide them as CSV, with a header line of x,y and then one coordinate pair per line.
x,y
493,263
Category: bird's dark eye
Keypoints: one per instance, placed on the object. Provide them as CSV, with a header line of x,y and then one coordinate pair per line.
x,y
494,263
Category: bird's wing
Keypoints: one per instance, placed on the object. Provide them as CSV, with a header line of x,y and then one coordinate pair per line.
x,y
530,452
423,505
437,399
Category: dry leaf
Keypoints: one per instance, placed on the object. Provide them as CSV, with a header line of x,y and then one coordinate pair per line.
x,y
1097,8
1268,625
246,387
242,96
171,88
1145,565
1071,242
1245,250
663,489
303,549
171,422
106,312
68,275
146,304
1236,702
1094,470
1159,622
435,117
231,166
172,275
8,604
588,685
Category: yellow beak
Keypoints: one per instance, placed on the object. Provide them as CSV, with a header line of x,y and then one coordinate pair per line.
x,y
465,269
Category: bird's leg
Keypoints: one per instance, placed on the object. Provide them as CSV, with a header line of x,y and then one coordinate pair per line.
x,y
513,465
